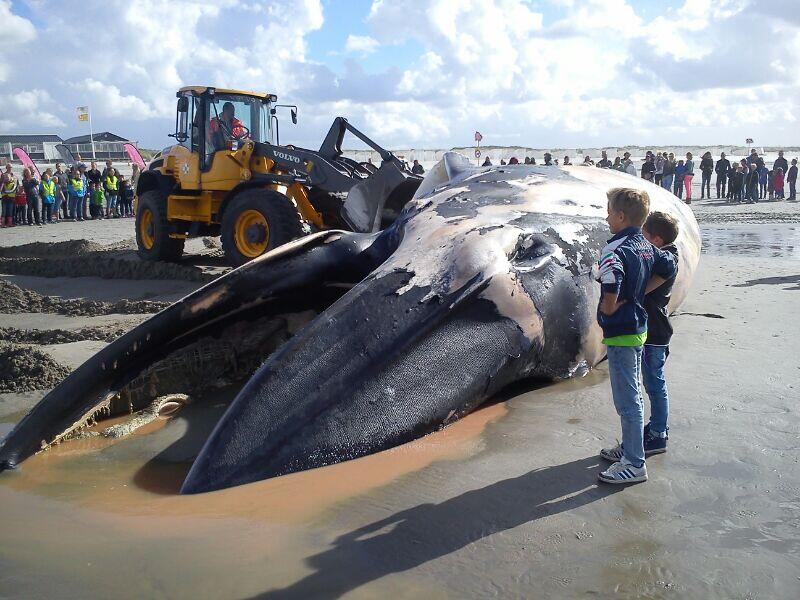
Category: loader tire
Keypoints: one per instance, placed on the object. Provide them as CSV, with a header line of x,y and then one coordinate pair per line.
x,y
256,221
153,229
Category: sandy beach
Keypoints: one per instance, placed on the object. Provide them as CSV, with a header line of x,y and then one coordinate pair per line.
x,y
504,503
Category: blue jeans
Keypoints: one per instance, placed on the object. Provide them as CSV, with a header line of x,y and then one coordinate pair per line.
x,y
75,206
653,360
666,183
624,366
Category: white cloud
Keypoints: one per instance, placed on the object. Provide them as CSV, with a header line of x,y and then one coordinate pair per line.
x,y
139,53
108,101
597,72
16,31
361,44
32,108
600,71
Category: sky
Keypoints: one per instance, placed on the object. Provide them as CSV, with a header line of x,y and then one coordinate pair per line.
x,y
416,73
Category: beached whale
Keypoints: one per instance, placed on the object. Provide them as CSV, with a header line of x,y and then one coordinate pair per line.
x,y
371,340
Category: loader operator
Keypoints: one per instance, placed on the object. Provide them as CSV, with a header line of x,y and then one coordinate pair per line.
x,y
226,127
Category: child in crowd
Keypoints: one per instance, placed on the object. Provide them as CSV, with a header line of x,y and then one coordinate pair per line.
x,y
731,177
661,230
111,186
62,192
32,197
738,183
77,192
771,185
48,192
791,178
680,173
626,265
126,197
96,201
763,176
778,183
8,192
20,204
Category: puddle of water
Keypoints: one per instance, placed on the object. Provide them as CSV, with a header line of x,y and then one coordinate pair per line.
x,y
106,514
111,475
767,241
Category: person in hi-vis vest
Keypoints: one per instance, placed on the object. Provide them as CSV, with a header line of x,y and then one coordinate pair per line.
x,y
111,186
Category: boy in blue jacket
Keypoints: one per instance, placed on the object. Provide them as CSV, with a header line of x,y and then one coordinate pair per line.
x,y
627,264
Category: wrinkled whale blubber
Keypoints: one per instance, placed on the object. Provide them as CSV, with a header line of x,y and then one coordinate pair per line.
x,y
485,279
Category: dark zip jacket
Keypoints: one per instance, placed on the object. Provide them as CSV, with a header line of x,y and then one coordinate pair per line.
x,y
629,261
659,329
752,180
93,175
723,166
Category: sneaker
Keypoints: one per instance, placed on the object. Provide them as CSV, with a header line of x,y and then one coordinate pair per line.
x,y
624,472
613,454
654,444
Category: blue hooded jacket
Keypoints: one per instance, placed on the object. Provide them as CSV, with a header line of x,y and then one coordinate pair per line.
x,y
629,261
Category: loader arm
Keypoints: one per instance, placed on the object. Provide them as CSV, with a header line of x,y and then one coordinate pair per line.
x,y
332,144
365,197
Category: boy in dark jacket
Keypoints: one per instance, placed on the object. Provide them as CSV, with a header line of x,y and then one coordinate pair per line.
x,y
680,173
661,230
738,183
791,179
627,264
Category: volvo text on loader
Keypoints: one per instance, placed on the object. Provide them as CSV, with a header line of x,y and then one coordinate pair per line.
x,y
228,176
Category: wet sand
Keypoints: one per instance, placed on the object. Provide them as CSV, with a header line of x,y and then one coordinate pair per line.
x,y
503,503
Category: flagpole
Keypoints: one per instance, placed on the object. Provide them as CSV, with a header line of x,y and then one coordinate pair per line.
x,y
91,132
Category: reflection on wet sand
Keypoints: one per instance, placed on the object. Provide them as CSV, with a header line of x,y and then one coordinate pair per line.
x,y
753,240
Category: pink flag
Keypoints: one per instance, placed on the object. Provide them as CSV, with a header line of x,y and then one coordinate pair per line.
x,y
27,162
478,136
133,154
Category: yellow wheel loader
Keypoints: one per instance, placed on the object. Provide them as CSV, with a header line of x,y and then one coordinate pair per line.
x,y
228,175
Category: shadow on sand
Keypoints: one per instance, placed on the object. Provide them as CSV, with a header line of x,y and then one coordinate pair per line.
x,y
426,532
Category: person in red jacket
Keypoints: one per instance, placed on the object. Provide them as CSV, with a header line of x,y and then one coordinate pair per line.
x,y
226,127
777,183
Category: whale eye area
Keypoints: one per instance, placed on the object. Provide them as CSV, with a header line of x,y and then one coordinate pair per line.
x,y
532,252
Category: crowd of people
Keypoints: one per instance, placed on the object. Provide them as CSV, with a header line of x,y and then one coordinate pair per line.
x,y
748,180
78,193
72,194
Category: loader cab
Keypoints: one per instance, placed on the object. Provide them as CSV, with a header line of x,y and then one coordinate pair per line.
x,y
210,120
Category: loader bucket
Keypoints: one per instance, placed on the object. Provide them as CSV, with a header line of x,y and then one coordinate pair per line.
x,y
385,192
